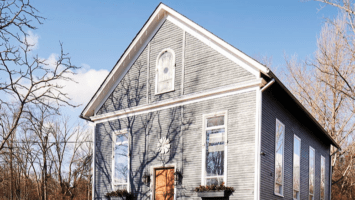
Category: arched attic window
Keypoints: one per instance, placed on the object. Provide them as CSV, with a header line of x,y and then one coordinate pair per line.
x,y
165,71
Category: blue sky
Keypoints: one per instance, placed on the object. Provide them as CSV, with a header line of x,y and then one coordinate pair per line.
x,y
96,33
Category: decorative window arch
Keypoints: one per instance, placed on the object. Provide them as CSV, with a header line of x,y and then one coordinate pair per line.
x,y
165,71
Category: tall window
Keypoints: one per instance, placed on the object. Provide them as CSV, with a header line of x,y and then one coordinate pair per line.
x,y
120,160
312,164
296,167
322,178
279,157
215,140
165,71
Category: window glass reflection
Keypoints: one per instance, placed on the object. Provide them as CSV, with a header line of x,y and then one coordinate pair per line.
x,y
322,183
296,167
311,172
279,156
215,144
120,173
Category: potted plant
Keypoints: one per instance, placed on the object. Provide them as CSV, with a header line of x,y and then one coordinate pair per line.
x,y
214,191
119,195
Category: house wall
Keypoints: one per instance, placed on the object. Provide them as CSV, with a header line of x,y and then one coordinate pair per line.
x,y
272,109
205,69
186,144
203,66
168,36
132,89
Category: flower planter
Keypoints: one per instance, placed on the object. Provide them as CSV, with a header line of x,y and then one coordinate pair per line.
x,y
117,198
209,194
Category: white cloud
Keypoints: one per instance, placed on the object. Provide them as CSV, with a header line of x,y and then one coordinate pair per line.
x,y
51,61
32,40
88,81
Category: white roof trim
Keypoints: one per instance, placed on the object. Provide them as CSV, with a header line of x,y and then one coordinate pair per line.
x,y
142,39
182,100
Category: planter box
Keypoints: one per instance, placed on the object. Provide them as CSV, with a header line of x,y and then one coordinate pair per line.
x,y
209,194
117,198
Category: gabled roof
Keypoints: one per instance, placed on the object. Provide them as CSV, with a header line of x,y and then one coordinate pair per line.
x,y
140,41
143,37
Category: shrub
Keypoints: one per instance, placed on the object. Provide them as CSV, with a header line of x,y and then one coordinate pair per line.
x,y
221,187
120,193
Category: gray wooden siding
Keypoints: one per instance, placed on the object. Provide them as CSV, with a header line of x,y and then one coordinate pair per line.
x,y
185,136
168,36
131,91
205,68
272,109
241,142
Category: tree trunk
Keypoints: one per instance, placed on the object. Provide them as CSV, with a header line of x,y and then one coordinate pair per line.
x,y
44,174
11,174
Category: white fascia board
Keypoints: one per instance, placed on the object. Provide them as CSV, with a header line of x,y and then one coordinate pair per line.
x,y
186,99
217,40
127,59
214,45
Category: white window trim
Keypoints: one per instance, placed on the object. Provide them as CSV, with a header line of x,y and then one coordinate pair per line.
x,y
114,135
296,137
320,185
156,71
309,171
204,129
283,159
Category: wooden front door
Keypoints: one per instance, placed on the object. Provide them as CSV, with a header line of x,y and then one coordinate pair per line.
x,y
164,184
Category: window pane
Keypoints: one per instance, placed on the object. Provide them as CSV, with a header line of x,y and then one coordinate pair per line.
x,y
215,152
322,183
121,138
279,153
311,170
215,121
165,72
214,181
296,194
121,163
278,188
296,165
165,66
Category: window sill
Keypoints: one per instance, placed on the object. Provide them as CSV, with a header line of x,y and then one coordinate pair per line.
x,y
165,92
277,194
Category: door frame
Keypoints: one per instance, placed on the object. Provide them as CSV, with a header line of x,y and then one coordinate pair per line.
x,y
152,178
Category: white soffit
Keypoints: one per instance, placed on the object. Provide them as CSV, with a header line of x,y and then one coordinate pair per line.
x,y
145,35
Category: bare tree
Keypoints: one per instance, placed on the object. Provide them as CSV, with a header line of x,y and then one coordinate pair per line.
x,y
72,148
317,83
26,79
347,7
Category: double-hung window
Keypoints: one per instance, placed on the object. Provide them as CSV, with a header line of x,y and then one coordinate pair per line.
x,y
214,149
279,158
120,161
296,167
322,178
312,168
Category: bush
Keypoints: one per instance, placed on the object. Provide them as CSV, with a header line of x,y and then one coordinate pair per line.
x,y
120,193
221,187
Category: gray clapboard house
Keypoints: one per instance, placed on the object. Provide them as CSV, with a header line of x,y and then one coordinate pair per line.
x,y
183,104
